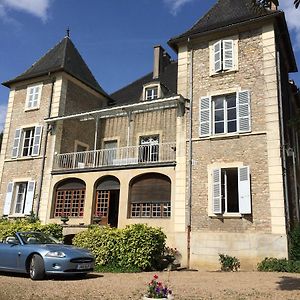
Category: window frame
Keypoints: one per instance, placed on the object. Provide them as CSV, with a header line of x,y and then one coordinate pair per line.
x,y
151,87
33,88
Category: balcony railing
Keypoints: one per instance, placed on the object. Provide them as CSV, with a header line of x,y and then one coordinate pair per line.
x,y
133,155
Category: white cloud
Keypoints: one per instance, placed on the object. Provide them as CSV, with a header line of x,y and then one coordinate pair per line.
x,y
176,5
2,116
38,8
292,17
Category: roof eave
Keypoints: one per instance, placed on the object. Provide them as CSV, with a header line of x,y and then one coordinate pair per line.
x,y
173,42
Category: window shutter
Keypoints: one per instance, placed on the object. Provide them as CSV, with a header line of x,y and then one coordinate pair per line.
x,y
8,199
228,61
244,190
205,116
37,140
244,116
29,197
216,192
16,144
217,56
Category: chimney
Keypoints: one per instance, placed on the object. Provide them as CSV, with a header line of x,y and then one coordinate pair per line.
x,y
161,60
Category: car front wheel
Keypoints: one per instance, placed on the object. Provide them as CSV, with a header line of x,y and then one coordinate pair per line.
x,y
36,268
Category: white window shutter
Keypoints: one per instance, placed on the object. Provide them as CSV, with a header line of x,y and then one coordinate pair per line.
x,y
228,54
37,140
8,199
16,144
216,192
244,190
205,116
244,114
217,56
29,197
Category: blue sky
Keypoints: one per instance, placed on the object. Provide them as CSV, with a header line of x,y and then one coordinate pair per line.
x,y
115,37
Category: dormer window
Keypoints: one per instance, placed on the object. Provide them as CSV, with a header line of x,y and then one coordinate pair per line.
x,y
151,93
33,97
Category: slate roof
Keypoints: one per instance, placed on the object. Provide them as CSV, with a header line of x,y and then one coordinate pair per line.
x,y
63,57
133,92
225,13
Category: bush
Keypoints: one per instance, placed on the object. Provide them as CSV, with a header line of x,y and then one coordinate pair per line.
x,y
136,247
229,263
295,243
270,264
10,227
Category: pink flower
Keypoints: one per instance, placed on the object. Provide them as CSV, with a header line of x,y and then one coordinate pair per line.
x,y
155,276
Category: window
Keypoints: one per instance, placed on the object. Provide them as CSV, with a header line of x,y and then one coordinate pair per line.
x,y
231,191
27,142
109,152
33,96
150,196
225,114
70,198
19,198
149,148
223,55
151,93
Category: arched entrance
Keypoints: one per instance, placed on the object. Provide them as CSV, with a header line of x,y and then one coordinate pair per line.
x,y
107,200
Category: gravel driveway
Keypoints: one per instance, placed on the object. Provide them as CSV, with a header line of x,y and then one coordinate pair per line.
x,y
186,286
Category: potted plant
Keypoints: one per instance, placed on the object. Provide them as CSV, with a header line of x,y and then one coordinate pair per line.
x,y
64,218
156,290
97,218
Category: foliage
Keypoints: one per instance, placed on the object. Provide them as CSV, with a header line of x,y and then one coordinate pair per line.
x,y
10,227
1,137
295,243
229,263
296,2
270,264
134,247
170,259
157,290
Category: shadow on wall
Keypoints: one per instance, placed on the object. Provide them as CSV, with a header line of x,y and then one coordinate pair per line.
x,y
289,283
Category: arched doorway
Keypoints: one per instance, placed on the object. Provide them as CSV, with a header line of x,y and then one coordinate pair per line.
x,y
107,200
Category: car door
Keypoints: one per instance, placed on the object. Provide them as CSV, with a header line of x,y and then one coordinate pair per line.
x,y
10,256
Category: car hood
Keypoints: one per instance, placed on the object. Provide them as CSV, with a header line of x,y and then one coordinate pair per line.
x,y
67,249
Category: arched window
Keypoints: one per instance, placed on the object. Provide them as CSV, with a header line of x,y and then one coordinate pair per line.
x,y
69,198
150,196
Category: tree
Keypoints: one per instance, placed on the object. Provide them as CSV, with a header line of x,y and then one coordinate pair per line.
x,y
1,136
296,2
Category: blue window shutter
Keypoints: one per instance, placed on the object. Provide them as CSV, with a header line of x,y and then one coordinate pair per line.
x,y
37,140
205,116
244,113
8,199
29,197
16,144
216,192
244,190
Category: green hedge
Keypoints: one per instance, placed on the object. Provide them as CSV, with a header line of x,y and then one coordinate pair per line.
x,y
134,247
270,264
295,243
10,227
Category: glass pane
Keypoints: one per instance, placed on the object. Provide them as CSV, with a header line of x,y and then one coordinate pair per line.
x,y
231,114
232,126
231,101
219,115
219,103
219,127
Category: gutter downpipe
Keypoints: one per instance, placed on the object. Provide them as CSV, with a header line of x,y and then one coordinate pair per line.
x,y
283,148
190,158
96,138
45,148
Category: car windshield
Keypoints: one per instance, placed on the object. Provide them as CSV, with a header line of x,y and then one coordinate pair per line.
x,y
37,238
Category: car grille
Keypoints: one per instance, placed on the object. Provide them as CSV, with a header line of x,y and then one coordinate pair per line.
x,y
81,260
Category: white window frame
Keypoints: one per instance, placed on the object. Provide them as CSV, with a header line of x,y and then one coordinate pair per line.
x,y
215,191
151,87
207,114
19,141
33,96
222,66
27,199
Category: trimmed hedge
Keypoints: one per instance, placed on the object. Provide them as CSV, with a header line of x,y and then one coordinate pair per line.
x,y
295,243
270,264
10,227
136,247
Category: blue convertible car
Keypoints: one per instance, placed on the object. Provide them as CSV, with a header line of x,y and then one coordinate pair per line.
x,y
39,254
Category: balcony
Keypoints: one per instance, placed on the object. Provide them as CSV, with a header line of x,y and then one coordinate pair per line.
x,y
116,157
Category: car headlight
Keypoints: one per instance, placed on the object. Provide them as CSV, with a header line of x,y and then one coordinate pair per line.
x,y
56,254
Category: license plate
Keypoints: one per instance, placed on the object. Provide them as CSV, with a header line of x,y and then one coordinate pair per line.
x,y
84,266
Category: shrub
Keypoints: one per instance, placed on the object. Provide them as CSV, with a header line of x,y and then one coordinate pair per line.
x,y
10,227
229,263
270,264
295,243
136,247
